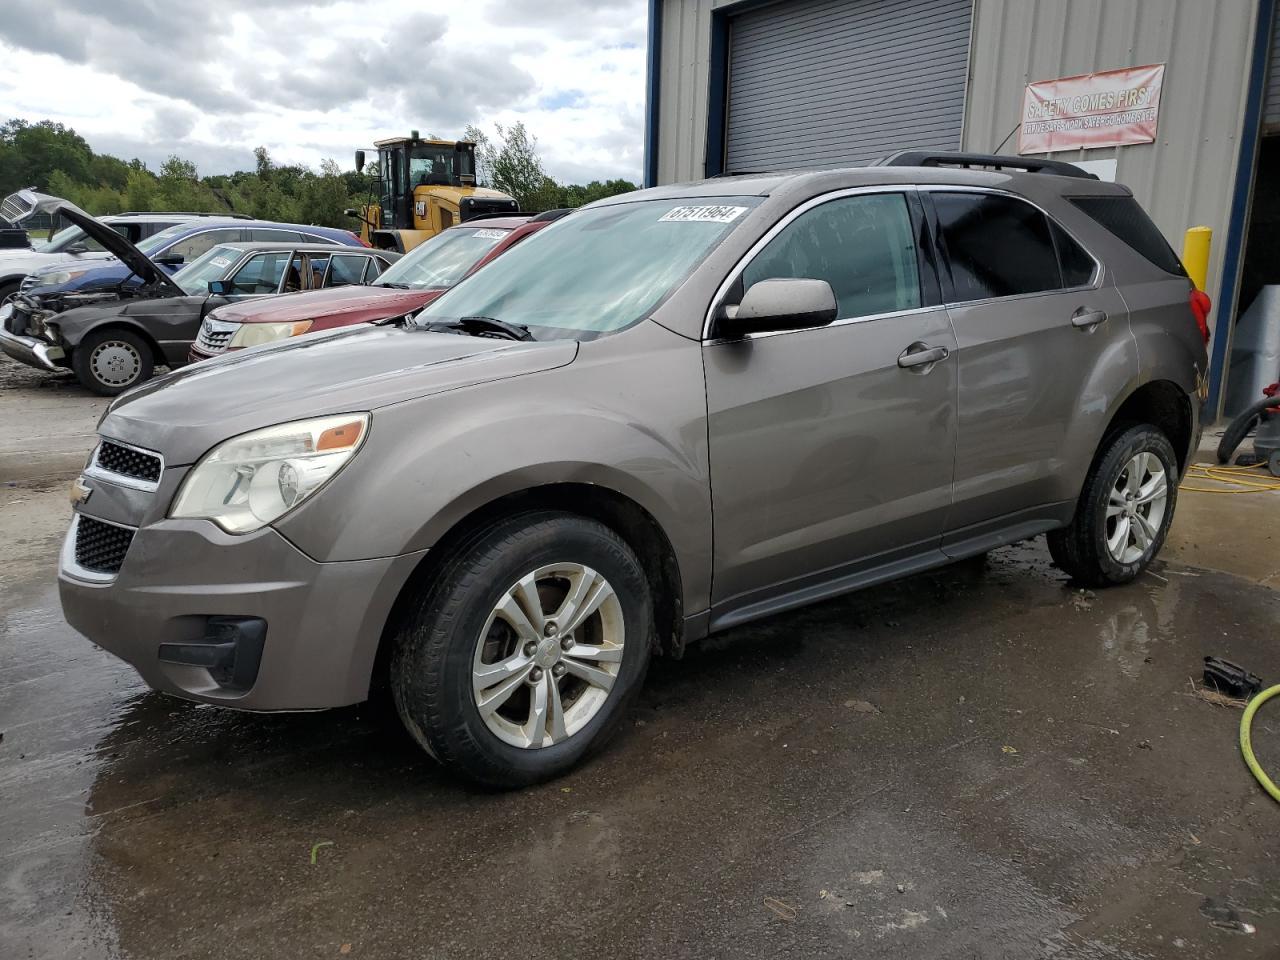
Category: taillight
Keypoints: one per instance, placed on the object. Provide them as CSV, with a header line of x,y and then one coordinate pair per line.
x,y
360,240
1200,307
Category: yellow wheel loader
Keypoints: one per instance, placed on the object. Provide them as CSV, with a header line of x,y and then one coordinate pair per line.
x,y
421,188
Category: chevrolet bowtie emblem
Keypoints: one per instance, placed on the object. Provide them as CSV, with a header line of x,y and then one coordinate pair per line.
x,y
80,491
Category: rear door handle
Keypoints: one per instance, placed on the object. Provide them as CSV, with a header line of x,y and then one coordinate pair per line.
x,y
921,354
1087,319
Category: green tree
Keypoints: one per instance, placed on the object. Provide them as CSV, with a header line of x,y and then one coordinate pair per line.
x,y
322,198
517,169
485,154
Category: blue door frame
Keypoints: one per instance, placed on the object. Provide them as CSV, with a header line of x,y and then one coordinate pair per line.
x,y
1238,223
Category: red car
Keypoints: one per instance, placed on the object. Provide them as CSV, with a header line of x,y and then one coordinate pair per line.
x,y
408,285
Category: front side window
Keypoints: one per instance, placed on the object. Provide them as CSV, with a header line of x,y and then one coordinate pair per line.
x,y
862,245
595,271
346,271
263,273
157,241
193,246
997,246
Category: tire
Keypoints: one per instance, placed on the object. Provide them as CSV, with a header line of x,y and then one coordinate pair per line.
x,y
108,362
7,290
455,629
1108,541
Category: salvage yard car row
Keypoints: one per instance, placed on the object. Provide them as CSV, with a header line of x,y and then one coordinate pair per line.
x,y
114,318
665,414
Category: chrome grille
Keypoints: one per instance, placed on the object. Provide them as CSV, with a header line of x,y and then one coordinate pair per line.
x,y
100,546
128,461
28,282
215,335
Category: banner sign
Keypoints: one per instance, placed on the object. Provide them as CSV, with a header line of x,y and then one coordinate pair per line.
x,y
1092,110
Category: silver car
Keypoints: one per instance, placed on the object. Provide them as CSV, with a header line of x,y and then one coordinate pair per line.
x,y
676,411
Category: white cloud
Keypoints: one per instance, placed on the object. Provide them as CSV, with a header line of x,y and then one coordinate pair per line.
x,y
147,78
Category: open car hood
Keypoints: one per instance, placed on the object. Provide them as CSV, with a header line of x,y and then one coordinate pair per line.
x,y
114,243
19,207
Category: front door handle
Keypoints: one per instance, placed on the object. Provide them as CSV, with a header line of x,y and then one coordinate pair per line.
x,y
922,355
1086,319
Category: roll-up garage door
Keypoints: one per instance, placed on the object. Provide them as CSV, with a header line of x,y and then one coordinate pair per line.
x,y
827,82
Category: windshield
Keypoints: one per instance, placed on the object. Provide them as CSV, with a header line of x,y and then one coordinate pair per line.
x,y
70,237
597,271
443,260
430,165
211,265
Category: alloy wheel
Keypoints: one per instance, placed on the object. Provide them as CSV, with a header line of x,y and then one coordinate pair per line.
x,y
1136,505
548,655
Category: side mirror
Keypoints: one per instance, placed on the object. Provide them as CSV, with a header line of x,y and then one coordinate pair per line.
x,y
782,304
220,288
359,161
170,259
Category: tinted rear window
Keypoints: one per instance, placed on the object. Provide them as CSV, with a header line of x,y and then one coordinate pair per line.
x,y
997,246
1125,218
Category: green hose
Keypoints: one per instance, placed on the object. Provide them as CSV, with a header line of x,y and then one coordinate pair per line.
x,y
1246,747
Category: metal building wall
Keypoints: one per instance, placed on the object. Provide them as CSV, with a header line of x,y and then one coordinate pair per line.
x,y
1185,178
683,78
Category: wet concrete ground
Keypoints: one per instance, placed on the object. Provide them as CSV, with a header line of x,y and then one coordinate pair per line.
x,y
981,762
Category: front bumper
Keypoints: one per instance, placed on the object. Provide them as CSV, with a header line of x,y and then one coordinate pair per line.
x,y
32,351
181,580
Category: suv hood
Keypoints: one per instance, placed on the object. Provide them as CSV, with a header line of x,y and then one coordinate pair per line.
x,y
188,412
370,303
114,243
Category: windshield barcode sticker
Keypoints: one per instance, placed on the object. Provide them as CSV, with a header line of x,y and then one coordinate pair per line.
x,y
220,262
709,214
489,234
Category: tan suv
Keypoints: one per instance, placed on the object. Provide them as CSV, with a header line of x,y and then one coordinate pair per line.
x,y
672,412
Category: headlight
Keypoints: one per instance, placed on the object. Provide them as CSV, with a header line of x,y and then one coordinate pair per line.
x,y
254,479
253,334
59,278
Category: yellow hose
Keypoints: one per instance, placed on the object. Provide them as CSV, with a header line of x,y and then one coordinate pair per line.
x,y
1246,746
1230,475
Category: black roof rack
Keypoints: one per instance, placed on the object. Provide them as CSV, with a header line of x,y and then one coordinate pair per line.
x,y
956,158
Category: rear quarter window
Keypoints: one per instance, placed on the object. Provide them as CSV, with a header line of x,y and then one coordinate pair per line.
x,y
1124,218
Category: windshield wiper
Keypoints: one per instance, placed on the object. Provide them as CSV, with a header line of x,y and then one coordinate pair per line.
x,y
393,285
481,327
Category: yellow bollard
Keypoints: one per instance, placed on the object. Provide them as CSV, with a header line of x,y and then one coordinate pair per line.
x,y
1195,254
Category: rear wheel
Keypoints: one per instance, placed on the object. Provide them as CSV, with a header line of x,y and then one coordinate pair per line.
x,y
525,654
1124,511
109,362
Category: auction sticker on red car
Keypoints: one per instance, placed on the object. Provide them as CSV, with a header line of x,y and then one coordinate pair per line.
x,y
718,213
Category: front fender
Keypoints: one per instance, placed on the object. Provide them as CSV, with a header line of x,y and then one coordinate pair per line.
x,y
629,415
76,324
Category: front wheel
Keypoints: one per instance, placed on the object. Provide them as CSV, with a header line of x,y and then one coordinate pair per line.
x,y
1124,511
108,362
526,652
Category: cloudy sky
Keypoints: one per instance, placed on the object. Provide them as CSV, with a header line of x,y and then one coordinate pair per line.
x,y
311,79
